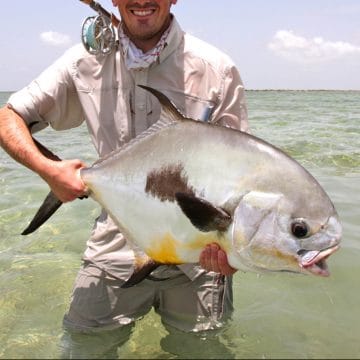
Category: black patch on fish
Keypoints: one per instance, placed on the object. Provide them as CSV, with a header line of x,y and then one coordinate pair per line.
x,y
202,214
165,182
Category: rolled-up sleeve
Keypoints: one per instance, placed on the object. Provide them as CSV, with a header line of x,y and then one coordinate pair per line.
x,y
232,110
50,99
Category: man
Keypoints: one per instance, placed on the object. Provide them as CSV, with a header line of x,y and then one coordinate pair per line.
x,y
103,91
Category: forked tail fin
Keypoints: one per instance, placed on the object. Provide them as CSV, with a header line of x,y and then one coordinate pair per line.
x,y
51,202
48,208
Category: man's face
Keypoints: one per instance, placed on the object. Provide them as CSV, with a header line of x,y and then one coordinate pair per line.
x,y
144,19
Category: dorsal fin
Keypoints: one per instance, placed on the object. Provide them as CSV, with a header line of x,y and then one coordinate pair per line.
x,y
169,111
170,115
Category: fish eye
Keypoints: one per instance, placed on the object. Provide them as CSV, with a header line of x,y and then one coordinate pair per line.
x,y
299,229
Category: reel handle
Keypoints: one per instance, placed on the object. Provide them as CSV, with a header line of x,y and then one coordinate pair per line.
x,y
98,35
99,9
97,32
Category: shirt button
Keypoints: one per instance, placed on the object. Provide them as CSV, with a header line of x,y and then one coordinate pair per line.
x,y
141,106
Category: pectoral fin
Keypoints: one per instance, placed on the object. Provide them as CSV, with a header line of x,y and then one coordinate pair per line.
x,y
202,214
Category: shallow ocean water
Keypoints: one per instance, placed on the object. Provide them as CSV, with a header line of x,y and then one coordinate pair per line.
x,y
276,316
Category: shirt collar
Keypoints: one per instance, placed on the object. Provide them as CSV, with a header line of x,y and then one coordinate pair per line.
x,y
136,59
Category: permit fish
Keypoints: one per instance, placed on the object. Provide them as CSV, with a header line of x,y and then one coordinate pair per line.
x,y
183,184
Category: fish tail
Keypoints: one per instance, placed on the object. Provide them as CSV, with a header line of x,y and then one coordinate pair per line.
x,y
47,209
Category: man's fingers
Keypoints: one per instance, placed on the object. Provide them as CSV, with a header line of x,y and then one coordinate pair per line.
x,y
225,268
205,257
213,258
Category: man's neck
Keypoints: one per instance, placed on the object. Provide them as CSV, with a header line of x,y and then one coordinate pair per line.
x,y
146,45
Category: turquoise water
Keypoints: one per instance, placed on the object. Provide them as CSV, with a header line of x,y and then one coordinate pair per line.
x,y
276,316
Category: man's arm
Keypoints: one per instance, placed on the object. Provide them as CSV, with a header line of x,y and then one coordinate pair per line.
x,y
232,110
62,176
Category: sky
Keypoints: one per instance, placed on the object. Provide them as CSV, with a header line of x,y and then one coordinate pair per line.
x,y
276,44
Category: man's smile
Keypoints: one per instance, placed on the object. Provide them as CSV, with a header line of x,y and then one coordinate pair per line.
x,y
142,13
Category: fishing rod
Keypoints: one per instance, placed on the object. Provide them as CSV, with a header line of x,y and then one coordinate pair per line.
x,y
97,32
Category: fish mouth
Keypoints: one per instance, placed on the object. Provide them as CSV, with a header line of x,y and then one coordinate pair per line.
x,y
315,261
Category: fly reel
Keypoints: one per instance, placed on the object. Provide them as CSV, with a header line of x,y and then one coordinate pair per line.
x,y
98,35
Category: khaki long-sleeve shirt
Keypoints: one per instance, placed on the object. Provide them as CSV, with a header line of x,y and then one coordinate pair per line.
x,y
202,81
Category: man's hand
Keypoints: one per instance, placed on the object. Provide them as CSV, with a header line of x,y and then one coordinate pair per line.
x,y
63,177
212,258
65,181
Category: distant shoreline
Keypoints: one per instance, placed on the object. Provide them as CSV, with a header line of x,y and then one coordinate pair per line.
x,y
329,90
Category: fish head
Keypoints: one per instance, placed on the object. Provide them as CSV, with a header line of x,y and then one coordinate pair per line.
x,y
272,233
